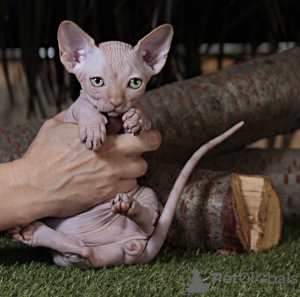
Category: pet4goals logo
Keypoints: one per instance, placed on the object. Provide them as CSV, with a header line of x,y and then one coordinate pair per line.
x,y
246,278
197,285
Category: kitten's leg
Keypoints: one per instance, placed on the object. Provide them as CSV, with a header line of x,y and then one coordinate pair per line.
x,y
38,234
143,209
135,121
91,122
70,260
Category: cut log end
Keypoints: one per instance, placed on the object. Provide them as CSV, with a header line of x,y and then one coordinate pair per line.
x,y
258,212
220,211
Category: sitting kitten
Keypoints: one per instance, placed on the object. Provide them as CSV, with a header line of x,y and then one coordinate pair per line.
x,y
113,76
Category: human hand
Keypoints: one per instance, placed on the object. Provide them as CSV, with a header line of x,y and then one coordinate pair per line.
x,y
65,178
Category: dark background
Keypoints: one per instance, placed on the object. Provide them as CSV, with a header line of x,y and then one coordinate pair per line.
x,y
31,24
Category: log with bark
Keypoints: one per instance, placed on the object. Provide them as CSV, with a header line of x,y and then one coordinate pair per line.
x,y
220,210
264,92
281,166
216,211
15,140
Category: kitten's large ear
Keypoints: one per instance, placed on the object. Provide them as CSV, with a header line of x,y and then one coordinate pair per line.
x,y
154,47
74,45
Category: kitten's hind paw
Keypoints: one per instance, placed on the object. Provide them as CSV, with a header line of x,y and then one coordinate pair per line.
x,y
24,234
125,205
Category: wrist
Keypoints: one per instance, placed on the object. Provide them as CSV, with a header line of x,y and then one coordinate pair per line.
x,y
30,185
19,198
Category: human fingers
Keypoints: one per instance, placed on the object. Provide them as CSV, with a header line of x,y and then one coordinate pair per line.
x,y
124,186
132,145
58,119
133,167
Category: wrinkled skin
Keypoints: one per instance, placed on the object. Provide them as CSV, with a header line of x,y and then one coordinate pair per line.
x,y
98,237
127,229
131,227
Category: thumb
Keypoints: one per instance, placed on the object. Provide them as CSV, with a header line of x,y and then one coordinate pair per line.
x,y
58,119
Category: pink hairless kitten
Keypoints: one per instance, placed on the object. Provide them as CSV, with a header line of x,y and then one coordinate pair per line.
x,y
113,76
131,227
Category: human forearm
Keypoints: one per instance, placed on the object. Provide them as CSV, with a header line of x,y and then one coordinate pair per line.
x,y
19,203
59,177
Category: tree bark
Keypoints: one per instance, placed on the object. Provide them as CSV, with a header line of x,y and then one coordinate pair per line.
x,y
263,92
15,140
219,210
281,166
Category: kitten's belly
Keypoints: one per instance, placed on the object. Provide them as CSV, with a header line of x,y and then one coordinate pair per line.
x,y
97,226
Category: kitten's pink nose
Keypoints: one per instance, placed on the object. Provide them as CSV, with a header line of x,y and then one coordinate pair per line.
x,y
116,102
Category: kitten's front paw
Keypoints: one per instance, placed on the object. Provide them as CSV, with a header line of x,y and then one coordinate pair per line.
x,y
125,205
135,121
92,132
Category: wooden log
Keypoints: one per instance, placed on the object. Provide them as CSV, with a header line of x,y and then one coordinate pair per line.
x,y
219,210
214,211
264,92
15,140
263,211
281,166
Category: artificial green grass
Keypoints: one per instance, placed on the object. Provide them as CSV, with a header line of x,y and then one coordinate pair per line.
x,y
28,271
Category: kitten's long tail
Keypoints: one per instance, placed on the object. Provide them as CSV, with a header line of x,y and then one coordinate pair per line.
x,y
164,223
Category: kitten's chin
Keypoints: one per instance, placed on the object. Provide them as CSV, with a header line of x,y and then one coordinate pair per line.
x,y
114,114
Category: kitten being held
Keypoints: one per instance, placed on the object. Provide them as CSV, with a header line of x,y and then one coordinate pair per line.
x,y
113,76
131,227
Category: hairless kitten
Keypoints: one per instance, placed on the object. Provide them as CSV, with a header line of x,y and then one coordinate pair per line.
x,y
131,227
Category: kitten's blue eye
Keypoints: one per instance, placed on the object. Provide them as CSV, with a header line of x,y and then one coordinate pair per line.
x,y
135,83
97,81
